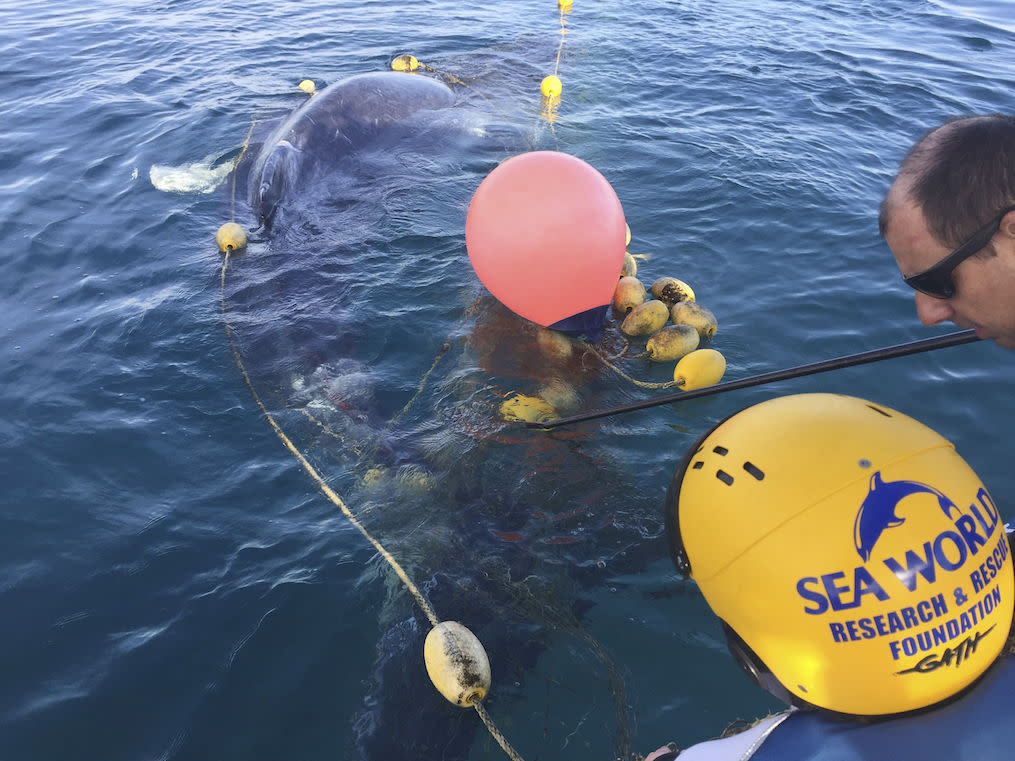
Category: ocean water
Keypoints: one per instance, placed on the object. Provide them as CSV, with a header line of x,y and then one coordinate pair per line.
x,y
174,584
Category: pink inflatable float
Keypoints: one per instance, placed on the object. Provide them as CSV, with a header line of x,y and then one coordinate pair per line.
x,y
545,234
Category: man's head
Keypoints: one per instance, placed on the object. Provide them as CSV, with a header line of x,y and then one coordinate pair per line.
x,y
952,187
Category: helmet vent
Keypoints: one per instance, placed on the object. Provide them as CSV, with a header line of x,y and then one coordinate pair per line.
x,y
754,470
725,477
698,465
878,409
721,450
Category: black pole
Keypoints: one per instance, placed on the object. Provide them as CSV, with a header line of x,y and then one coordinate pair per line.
x,y
875,355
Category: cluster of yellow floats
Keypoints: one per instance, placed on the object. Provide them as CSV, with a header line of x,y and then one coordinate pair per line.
x,y
675,324
666,315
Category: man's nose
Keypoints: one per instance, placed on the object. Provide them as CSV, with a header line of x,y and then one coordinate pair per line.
x,y
933,311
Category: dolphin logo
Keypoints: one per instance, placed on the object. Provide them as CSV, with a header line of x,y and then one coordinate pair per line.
x,y
877,512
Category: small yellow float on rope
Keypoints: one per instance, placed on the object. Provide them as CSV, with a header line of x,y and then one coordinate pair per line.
x,y
564,4
700,368
231,237
405,63
457,663
308,86
551,87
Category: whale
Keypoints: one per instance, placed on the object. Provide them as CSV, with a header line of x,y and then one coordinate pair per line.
x,y
364,331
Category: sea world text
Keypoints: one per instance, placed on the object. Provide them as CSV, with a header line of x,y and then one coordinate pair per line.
x,y
948,551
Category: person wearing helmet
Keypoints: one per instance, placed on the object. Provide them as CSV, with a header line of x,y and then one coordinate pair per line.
x,y
862,575
949,220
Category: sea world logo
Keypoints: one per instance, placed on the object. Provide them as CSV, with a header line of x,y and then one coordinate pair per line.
x,y
877,513
963,534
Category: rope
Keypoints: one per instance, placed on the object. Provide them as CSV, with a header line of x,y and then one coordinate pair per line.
x,y
495,732
236,163
625,376
445,347
311,471
560,47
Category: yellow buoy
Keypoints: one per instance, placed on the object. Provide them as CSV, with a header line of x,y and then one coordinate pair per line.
x,y
405,63
414,478
671,290
700,368
628,228
308,86
457,663
671,343
527,409
629,293
231,237
551,87
645,318
698,317
373,477
630,267
564,4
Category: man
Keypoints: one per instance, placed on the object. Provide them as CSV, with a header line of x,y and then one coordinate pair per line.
x,y
949,219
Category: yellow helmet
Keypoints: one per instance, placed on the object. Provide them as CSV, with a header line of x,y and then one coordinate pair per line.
x,y
857,562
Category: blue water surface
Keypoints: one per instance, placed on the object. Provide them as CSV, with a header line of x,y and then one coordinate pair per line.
x,y
175,586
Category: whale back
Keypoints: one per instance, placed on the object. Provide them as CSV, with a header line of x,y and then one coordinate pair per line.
x,y
345,117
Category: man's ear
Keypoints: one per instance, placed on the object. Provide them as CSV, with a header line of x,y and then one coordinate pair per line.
x,y
1008,225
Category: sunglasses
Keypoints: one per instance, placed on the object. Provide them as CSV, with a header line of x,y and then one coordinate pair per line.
x,y
937,280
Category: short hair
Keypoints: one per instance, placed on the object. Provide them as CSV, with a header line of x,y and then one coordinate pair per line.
x,y
960,174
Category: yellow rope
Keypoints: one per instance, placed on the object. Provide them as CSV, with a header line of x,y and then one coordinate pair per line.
x,y
236,163
625,376
496,733
560,47
321,484
419,389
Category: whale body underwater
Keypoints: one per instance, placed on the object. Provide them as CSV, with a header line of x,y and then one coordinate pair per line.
x,y
362,193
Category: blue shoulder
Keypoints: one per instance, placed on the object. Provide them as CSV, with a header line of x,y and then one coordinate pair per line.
x,y
974,726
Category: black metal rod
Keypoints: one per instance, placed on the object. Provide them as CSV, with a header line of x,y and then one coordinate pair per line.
x,y
875,355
